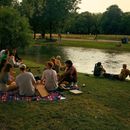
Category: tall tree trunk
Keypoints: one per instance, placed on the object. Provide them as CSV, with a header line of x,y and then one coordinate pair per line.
x,y
50,30
34,35
43,35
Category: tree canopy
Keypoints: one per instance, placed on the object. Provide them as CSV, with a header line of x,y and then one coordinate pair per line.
x,y
14,29
47,15
56,16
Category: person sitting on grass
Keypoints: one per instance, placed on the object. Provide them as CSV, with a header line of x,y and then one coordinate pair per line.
x,y
2,64
7,80
124,72
17,58
70,74
5,55
99,70
12,60
56,66
122,76
49,77
25,82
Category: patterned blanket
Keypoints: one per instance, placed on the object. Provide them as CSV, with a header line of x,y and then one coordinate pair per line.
x,y
14,96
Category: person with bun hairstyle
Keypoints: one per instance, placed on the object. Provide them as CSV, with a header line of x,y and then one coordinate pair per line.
x,y
49,77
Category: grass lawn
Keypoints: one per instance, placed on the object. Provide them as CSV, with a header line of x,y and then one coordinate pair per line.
x,y
90,37
104,105
88,44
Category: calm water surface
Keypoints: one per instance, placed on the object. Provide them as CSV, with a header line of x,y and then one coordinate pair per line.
x,y
84,59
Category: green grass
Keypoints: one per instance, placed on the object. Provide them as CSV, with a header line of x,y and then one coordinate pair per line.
x,y
91,37
88,44
104,105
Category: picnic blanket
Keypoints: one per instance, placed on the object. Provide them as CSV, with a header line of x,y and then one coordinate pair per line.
x,y
14,96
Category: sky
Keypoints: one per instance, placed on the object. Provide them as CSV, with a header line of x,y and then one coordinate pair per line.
x,y
99,6
96,6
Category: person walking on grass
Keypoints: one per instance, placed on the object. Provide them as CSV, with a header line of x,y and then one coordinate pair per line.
x,y
59,38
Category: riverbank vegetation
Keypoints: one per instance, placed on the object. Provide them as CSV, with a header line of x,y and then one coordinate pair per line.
x,y
87,44
88,37
104,105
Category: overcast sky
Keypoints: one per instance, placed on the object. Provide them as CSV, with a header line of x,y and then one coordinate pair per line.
x,y
95,6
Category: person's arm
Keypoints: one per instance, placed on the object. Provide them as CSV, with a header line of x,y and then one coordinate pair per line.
x,y
33,79
55,76
43,78
129,73
103,69
17,57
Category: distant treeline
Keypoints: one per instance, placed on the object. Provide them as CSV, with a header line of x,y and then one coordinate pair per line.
x,y
61,16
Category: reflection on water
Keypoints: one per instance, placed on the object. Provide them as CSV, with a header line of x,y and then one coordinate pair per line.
x,y
84,59
43,53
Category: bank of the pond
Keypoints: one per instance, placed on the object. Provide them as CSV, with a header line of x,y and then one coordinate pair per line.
x,y
88,44
88,37
104,105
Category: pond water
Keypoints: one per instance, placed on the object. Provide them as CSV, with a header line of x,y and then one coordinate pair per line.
x,y
84,59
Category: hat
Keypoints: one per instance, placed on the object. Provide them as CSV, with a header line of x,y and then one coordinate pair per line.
x,y
22,66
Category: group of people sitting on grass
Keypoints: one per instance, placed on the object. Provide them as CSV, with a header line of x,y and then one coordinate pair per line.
x,y
99,71
10,56
52,79
26,83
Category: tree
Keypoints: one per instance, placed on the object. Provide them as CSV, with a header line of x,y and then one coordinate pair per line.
x,y
5,2
125,23
82,23
14,29
33,10
56,12
96,28
8,2
69,25
111,20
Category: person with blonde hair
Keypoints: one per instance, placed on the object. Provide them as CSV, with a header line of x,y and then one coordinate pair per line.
x,y
58,63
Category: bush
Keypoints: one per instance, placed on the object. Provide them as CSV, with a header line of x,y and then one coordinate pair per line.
x,y
14,29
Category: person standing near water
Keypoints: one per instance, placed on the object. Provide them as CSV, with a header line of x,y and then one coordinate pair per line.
x,y
59,38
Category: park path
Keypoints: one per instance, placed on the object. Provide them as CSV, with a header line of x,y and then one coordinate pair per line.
x,y
74,39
